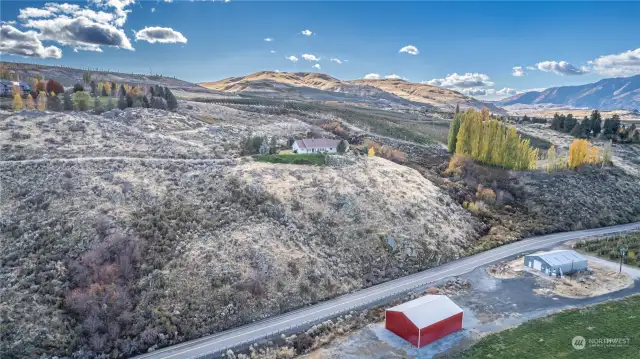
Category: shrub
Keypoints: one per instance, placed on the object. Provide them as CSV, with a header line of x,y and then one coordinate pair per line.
x,y
55,87
486,195
81,101
78,88
17,101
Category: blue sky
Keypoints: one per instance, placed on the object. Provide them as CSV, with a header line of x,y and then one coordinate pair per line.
x,y
481,42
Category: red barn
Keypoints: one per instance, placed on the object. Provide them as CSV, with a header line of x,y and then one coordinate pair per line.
x,y
424,320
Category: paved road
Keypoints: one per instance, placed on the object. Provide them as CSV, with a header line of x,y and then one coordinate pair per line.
x,y
256,331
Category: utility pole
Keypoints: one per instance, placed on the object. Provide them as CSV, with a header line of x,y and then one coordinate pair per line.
x,y
623,251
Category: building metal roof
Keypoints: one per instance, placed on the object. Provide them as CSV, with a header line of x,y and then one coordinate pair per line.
x,y
559,257
317,143
428,310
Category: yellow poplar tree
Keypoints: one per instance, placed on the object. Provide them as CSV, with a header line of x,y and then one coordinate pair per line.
x,y
551,158
30,105
42,101
371,152
17,98
578,152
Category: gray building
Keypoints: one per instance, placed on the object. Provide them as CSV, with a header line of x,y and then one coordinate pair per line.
x,y
558,262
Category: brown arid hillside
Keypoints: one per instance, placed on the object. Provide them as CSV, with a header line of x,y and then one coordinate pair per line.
x,y
433,95
142,228
308,79
436,97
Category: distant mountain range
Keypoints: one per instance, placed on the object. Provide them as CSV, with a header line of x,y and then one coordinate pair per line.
x,y
622,93
322,87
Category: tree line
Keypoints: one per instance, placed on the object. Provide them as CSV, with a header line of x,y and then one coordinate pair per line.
x,y
593,126
46,95
489,141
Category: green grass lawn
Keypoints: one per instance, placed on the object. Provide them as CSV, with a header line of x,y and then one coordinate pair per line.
x,y
551,337
297,159
609,248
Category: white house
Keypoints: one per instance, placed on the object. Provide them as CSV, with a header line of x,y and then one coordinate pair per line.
x,y
315,145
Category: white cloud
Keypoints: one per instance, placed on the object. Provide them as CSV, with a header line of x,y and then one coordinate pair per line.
x,y
306,32
168,1
310,57
393,77
337,61
273,51
372,76
474,91
26,43
561,68
622,64
467,80
518,71
410,49
80,32
316,66
119,8
268,39
292,59
532,68
506,92
32,12
163,35
153,9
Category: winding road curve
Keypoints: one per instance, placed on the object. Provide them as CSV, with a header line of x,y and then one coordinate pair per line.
x,y
259,330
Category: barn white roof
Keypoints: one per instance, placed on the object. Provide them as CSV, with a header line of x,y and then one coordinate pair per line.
x,y
559,257
427,310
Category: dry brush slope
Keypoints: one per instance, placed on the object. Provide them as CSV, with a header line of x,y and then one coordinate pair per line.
x,y
117,256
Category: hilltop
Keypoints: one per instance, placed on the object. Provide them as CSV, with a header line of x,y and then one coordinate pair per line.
x,y
621,93
396,92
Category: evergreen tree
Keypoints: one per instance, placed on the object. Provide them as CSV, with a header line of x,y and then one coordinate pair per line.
x,y
172,102
145,102
555,123
159,103
94,88
457,110
576,131
595,120
273,145
123,91
104,90
122,100
454,127
53,103
129,99
342,146
68,103
569,122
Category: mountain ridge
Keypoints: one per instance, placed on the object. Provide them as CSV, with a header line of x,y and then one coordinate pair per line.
x,y
392,90
619,93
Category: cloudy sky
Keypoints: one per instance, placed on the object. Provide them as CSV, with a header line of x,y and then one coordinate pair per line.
x,y
487,50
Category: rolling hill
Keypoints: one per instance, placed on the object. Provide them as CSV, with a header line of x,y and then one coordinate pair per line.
x,y
382,92
622,93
